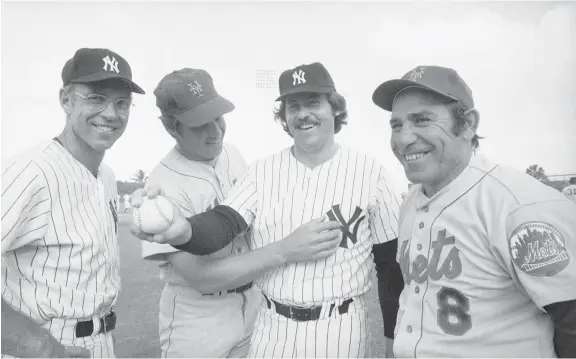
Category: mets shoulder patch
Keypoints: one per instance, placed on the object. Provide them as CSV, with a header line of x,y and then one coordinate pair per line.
x,y
538,249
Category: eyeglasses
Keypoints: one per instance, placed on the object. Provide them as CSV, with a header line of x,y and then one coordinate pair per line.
x,y
98,103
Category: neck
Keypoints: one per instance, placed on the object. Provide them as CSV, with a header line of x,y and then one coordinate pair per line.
x,y
313,157
87,156
431,189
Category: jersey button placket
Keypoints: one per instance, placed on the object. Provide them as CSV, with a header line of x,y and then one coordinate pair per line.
x,y
409,329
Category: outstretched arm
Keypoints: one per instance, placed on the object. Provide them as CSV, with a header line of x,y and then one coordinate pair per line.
x,y
311,241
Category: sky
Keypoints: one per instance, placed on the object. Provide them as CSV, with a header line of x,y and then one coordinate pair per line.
x,y
518,58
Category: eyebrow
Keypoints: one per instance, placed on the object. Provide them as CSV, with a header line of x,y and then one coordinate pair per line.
x,y
415,114
309,97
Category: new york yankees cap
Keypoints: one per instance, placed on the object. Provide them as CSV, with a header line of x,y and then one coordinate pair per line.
x,y
441,80
189,95
306,78
92,65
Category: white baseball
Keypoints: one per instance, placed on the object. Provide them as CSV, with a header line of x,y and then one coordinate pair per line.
x,y
154,215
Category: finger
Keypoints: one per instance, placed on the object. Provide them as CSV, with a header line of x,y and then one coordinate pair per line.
x,y
332,234
77,352
319,219
158,237
326,226
325,253
153,191
136,197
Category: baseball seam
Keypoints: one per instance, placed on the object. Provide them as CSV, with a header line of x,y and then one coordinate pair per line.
x,y
162,213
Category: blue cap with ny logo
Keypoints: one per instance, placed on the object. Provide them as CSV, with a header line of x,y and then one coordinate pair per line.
x,y
306,78
93,65
440,80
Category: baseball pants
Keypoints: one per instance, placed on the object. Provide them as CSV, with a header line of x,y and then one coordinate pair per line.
x,y
207,327
331,336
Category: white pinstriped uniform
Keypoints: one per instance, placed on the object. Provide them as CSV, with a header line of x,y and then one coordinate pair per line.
x,y
60,254
278,195
480,259
193,325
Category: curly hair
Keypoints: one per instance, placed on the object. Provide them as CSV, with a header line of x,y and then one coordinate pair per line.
x,y
336,101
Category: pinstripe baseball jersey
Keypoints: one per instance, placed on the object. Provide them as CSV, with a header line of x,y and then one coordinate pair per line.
x,y
279,194
195,187
480,260
60,254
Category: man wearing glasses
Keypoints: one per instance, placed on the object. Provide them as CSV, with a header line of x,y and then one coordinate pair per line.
x,y
60,255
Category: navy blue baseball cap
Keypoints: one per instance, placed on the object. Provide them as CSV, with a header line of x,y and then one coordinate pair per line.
x,y
306,78
93,65
440,80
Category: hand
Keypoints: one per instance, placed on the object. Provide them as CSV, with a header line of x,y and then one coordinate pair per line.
x,y
179,231
46,346
311,241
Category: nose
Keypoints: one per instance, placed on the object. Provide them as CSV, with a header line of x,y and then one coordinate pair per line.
x,y
109,111
405,137
214,130
303,112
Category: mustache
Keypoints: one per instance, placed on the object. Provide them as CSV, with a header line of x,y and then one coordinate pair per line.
x,y
306,120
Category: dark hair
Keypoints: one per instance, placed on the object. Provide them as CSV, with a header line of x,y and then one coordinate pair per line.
x,y
338,103
459,125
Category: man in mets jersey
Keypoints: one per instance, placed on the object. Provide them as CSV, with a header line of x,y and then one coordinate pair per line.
x,y
60,255
197,175
487,252
315,308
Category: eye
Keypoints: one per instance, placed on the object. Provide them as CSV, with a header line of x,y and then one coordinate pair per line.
x,y
96,99
421,120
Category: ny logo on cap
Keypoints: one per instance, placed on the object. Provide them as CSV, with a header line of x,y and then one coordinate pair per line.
x,y
416,74
110,64
298,77
196,89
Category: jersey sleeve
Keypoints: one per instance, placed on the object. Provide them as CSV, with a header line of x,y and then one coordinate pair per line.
x,y
243,197
26,205
542,249
384,210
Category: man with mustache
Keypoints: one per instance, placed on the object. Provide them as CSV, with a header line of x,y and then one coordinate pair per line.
x,y
314,308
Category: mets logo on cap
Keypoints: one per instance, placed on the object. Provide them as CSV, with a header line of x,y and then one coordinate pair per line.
x,y
538,249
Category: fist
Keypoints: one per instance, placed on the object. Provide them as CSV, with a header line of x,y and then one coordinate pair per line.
x,y
154,215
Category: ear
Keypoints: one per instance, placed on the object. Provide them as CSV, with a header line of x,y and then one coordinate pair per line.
x,y
65,101
472,122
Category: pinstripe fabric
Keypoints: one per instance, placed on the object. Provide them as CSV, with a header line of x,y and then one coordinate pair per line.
x,y
334,336
279,194
60,255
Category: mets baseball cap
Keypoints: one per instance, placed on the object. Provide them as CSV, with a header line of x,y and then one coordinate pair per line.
x,y
92,65
189,95
441,80
306,78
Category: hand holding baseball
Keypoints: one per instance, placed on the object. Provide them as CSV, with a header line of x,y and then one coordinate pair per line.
x,y
157,219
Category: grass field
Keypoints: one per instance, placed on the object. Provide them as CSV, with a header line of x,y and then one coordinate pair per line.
x,y
137,307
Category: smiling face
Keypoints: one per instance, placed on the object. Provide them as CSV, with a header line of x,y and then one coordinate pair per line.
x,y
201,143
310,120
424,142
97,130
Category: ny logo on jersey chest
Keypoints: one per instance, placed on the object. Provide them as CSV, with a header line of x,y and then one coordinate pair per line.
x,y
336,215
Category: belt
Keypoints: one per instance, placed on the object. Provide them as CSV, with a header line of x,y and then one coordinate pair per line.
x,y
107,324
241,289
305,314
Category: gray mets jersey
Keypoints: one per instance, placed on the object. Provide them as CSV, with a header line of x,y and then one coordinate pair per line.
x,y
480,260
